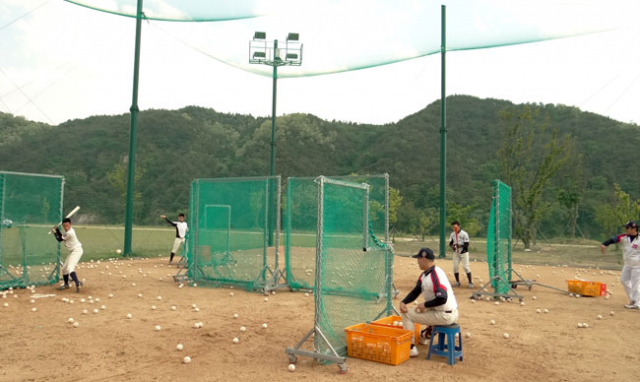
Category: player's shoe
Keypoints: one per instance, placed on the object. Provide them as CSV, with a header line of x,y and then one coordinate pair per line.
x,y
414,352
80,285
63,287
456,285
632,306
470,286
425,335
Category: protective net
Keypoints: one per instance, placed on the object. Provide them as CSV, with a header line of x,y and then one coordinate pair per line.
x,y
301,216
368,33
499,237
352,284
234,230
30,205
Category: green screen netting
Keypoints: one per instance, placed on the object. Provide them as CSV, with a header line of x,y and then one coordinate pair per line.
x,y
341,36
499,237
234,230
300,222
30,205
354,286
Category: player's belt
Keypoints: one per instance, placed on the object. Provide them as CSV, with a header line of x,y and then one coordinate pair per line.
x,y
448,311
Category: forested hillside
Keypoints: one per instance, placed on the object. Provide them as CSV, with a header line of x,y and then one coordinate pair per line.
x,y
177,146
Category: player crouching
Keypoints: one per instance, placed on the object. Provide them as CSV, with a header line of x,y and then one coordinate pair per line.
x,y
75,253
440,306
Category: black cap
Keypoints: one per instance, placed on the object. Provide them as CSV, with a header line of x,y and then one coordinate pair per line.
x,y
631,224
426,253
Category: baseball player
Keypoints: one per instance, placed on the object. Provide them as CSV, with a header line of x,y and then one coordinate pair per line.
x,y
75,253
439,307
630,277
459,242
181,231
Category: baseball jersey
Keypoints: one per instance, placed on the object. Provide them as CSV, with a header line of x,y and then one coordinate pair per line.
x,y
630,249
463,237
433,284
181,228
71,240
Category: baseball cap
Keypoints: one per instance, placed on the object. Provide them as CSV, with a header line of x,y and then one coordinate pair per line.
x,y
425,252
631,224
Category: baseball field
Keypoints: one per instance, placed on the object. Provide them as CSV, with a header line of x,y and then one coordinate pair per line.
x,y
42,345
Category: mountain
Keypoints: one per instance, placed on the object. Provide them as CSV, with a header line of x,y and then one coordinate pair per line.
x,y
177,146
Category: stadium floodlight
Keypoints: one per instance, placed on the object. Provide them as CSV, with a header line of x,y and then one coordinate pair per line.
x,y
265,52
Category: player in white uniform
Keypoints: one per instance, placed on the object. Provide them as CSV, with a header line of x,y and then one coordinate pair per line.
x,y
439,307
630,277
181,232
75,253
459,242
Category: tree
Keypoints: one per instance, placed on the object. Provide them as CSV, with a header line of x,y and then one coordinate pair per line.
x,y
117,178
620,210
530,155
456,212
395,201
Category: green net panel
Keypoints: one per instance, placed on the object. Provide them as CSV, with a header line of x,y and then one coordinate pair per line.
x,y
300,222
352,284
30,205
234,230
499,237
366,34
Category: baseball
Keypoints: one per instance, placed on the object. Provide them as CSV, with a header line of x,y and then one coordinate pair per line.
x,y
70,319
497,303
187,359
133,284
153,307
236,315
84,311
34,309
129,316
473,301
236,340
306,294
506,335
266,299
174,307
521,303
159,297
538,310
243,329
546,310
110,295
492,322
158,328
179,347
534,297
580,324
194,306
76,324
196,309
103,307
231,294
118,251
195,285
264,326
95,311
82,300
6,304
467,335
139,295
585,325
292,367
32,301
599,317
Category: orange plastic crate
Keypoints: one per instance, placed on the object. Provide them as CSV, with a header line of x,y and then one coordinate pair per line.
x,y
587,288
388,321
378,343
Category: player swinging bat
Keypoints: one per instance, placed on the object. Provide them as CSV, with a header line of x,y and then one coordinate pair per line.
x,y
75,251
69,215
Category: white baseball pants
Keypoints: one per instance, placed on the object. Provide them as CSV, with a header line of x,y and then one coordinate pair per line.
x,y
465,262
428,317
176,244
630,280
72,260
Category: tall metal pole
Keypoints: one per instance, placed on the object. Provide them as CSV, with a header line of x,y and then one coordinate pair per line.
x,y
133,138
443,135
272,166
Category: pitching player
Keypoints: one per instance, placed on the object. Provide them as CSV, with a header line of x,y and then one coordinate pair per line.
x,y
459,242
181,231
75,253
439,307
630,277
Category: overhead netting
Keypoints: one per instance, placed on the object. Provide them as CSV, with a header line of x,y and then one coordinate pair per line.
x,y
341,36
499,237
352,283
234,230
30,205
300,218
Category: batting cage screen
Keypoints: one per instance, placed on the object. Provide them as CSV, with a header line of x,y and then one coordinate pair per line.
x,y
30,205
300,222
499,238
234,230
351,269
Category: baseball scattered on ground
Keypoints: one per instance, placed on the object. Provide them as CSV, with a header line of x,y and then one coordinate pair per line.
x,y
158,327
292,367
187,359
179,347
236,340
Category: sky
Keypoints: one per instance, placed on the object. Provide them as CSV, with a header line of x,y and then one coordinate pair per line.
x,y
62,61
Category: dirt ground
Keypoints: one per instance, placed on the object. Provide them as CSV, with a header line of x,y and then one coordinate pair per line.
x,y
107,346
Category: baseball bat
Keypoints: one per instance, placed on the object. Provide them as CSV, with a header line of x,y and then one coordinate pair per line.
x,y
70,214
455,229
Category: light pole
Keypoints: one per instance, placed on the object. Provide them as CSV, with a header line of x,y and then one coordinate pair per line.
x,y
269,53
